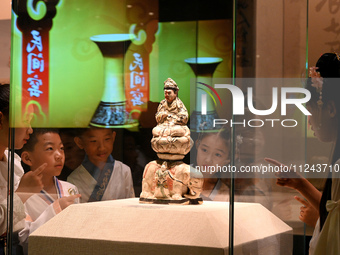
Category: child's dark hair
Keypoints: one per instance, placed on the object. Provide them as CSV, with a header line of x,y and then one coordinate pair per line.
x,y
328,66
223,133
4,99
69,131
81,131
29,146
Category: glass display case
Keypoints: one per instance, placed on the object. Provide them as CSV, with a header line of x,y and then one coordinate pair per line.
x,y
91,75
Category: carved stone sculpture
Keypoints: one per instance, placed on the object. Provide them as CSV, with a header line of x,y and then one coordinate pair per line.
x,y
168,179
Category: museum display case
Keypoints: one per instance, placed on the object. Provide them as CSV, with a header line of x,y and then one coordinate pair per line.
x,y
240,68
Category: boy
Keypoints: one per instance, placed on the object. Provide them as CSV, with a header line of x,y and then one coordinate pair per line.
x,y
44,147
73,154
100,177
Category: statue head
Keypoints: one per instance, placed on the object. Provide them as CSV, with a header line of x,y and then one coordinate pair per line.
x,y
170,90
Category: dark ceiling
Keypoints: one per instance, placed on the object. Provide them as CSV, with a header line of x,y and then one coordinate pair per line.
x,y
190,10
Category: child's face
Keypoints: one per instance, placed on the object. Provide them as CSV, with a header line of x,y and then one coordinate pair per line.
x,y
73,154
97,143
24,130
49,149
22,134
212,151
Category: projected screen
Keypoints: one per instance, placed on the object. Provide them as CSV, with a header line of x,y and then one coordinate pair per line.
x,y
100,62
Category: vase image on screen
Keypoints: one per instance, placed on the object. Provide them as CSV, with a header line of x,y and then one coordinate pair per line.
x,y
111,110
203,68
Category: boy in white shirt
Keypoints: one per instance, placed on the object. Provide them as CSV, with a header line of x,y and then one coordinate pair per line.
x,y
45,147
100,177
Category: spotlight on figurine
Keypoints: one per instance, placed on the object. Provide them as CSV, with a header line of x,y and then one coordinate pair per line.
x,y
169,180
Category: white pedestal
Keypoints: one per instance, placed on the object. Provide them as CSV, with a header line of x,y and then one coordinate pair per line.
x,y
127,227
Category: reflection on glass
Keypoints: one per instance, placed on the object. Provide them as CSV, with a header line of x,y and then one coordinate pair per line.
x,y
205,108
111,111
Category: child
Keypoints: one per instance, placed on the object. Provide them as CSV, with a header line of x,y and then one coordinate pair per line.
x,y
213,153
325,109
22,183
213,150
100,177
45,147
73,154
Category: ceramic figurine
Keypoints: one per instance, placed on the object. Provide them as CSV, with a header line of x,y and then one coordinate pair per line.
x,y
169,180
